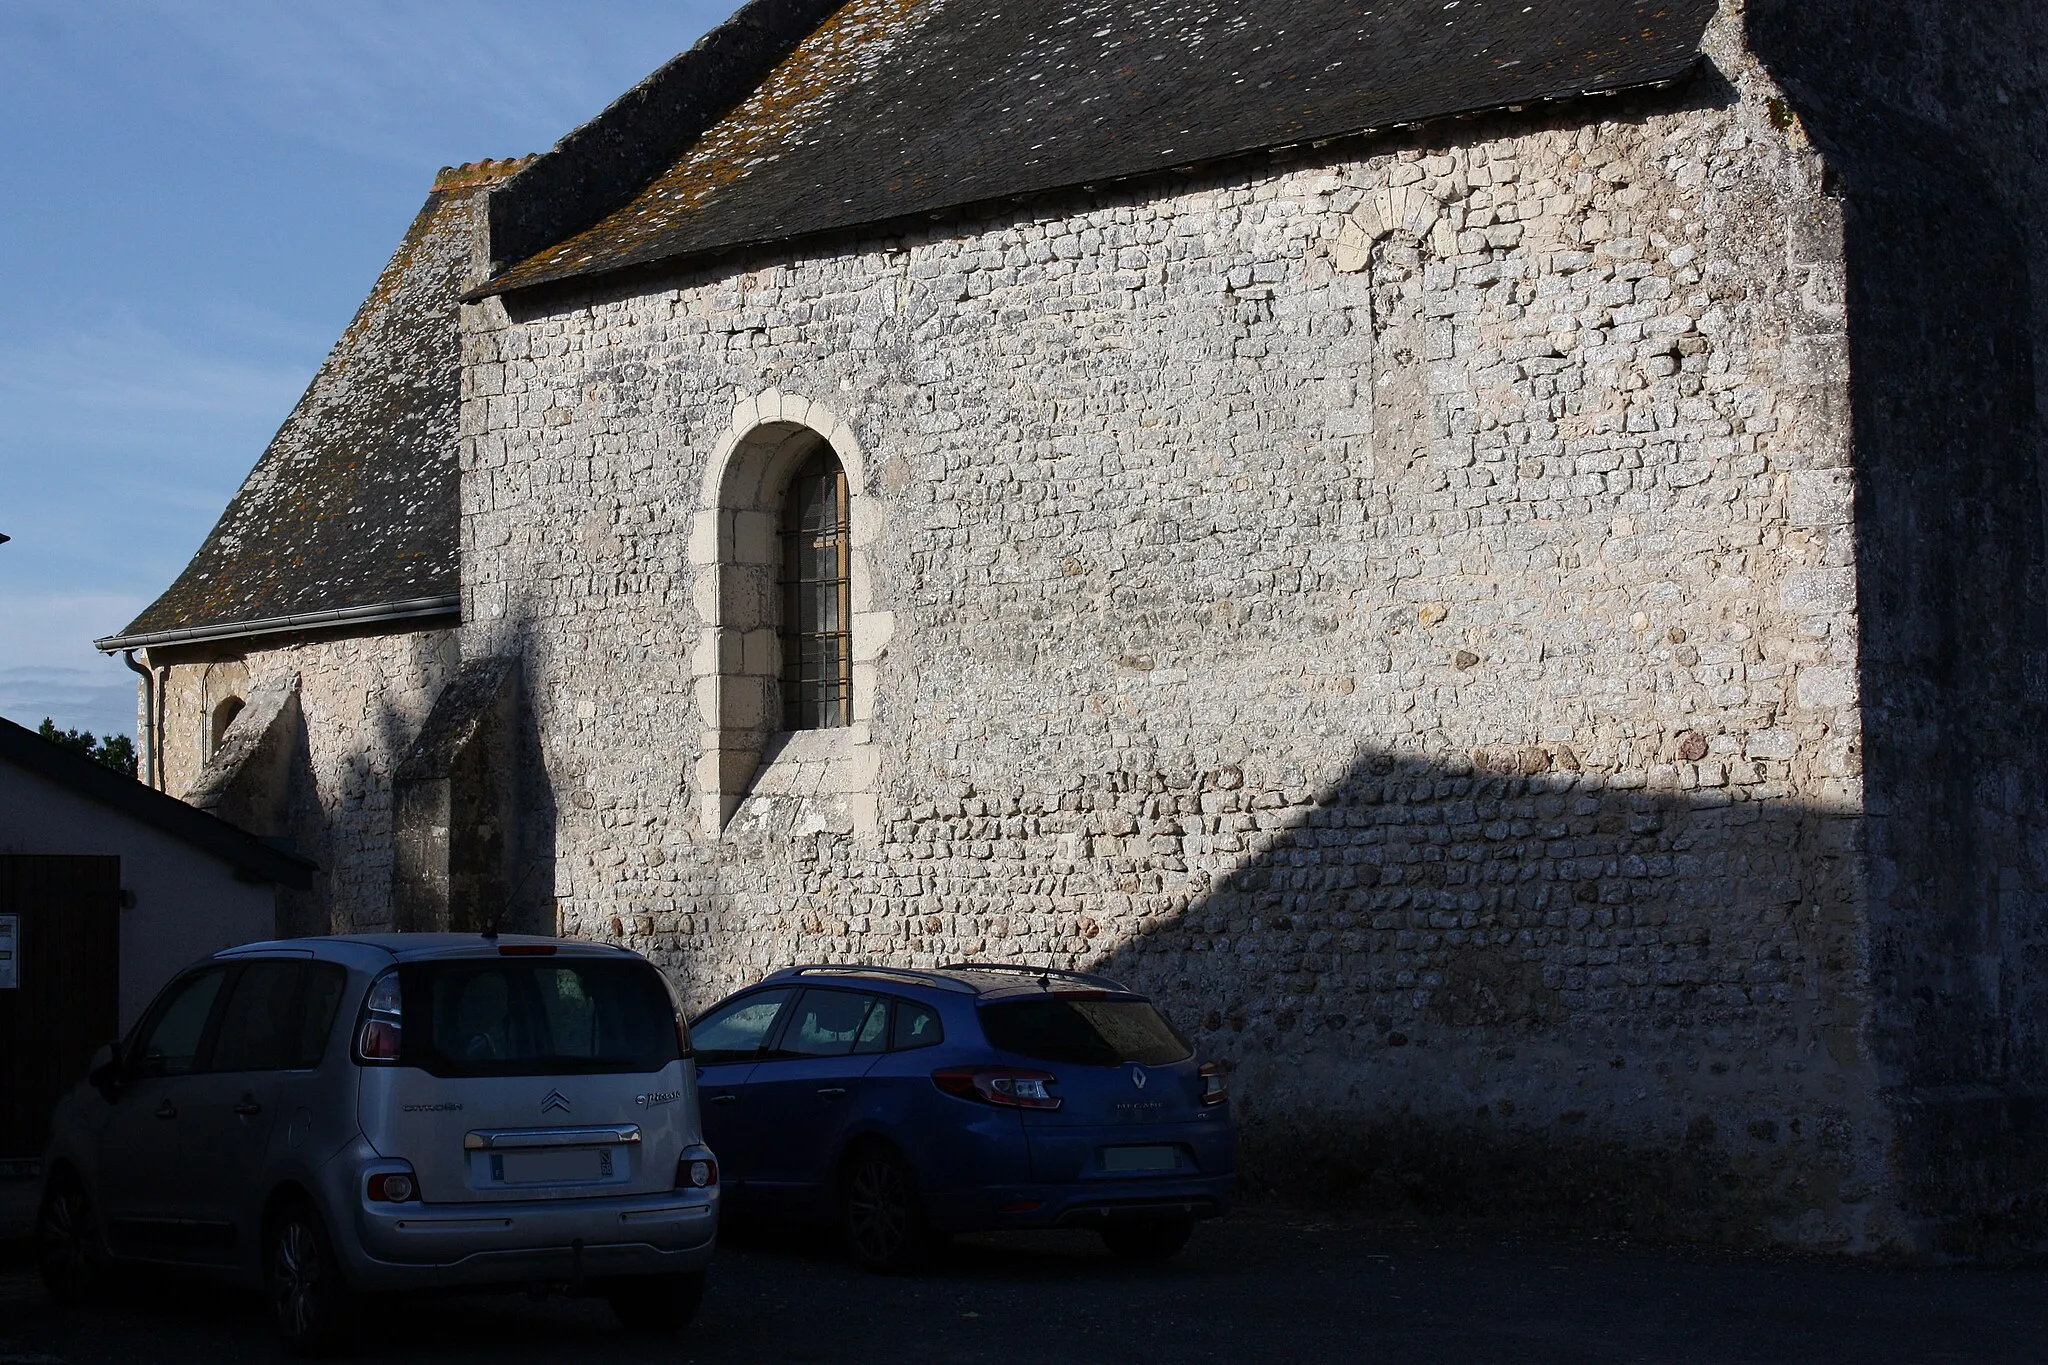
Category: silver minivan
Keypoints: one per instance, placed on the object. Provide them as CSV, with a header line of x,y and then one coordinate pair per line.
x,y
326,1118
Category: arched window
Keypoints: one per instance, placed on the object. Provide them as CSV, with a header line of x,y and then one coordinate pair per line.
x,y
223,716
817,611
790,641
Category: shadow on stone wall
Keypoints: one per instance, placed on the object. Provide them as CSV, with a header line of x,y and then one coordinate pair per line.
x,y
342,817
1663,1010
1934,118
1452,989
530,908
307,829
354,846
525,903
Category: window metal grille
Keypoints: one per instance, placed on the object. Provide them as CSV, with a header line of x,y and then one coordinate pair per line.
x,y
817,647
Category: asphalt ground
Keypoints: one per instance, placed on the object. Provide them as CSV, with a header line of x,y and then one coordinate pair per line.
x,y
1268,1284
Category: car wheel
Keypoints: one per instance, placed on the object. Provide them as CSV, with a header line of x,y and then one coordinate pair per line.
x,y
1147,1239
309,1300
884,1213
656,1305
65,1255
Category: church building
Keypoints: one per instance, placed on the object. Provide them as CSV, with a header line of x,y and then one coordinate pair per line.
x,y
1488,554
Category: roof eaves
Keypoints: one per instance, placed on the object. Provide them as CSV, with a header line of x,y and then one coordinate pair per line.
x,y
381,613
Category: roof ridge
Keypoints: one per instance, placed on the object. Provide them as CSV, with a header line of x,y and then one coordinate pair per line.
x,y
488,171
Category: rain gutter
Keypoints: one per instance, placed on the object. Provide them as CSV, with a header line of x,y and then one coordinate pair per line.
x,y
415,608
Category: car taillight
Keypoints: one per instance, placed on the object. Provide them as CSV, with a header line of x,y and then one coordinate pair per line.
x,y
1215,1082
1005,1086
381,1040
696,1169
380,1036
391,1187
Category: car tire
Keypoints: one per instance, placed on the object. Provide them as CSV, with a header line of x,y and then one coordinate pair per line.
x,y
66,1258
310,1300
1147,1240
882,1212
656,1305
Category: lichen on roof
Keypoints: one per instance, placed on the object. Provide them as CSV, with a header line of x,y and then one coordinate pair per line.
x,y
354,502
479,174
890,108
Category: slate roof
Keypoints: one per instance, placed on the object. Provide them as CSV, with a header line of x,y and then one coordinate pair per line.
x,y
894,107
247,854
352,511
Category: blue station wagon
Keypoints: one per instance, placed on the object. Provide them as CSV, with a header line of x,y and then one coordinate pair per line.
x,y
910,1104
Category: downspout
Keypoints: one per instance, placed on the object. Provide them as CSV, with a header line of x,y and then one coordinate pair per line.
x,y
149,716
163,705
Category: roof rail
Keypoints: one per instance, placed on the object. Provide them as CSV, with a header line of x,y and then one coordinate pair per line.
x,y
1026,969
912,975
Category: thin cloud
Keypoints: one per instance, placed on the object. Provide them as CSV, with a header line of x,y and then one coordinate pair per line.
x,y
162,361
98,700
120,444
48,666
108,377
392,79
117,427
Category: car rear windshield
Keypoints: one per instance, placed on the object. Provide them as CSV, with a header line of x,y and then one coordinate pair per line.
x,y
1083,1030
498,1017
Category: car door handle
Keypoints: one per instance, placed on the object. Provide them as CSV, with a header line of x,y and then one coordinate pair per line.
x,y
831,1092
167,1110
727,1098
248,1107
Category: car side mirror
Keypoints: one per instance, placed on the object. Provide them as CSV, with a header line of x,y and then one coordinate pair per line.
x,y
104,1072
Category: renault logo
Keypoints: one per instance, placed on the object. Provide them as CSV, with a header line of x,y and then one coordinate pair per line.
x,y
555,1100
1138,1077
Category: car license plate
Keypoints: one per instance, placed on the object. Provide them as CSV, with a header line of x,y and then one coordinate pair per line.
x,y
1138,1159
565,1166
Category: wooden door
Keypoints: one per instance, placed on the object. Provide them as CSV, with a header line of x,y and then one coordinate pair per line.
x,y
60,991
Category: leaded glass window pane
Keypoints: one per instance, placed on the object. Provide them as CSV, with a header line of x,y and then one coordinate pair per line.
x,y
817,650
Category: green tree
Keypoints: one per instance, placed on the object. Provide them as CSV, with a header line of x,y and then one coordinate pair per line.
x,y
115,751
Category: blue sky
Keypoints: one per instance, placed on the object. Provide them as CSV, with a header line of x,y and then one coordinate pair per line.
x,y
198,193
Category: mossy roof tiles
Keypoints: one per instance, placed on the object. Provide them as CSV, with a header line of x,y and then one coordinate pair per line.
x,y
354,503
889,108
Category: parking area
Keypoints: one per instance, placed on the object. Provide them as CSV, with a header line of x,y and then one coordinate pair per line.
x,y
1270,1284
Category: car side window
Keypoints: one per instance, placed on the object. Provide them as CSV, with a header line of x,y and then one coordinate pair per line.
x,y
322,990
735,1031
874,1033
826,1023
916,1026
169,1040
260,1023
277,1016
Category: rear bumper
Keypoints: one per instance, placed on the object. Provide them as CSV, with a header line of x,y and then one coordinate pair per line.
x,y
1088,1205
427,1246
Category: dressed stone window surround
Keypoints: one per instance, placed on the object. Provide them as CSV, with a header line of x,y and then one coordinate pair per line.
x,y
795,783
223,686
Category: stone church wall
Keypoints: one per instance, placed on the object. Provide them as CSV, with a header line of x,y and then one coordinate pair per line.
x,y
362,700
1934,119
1396,603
